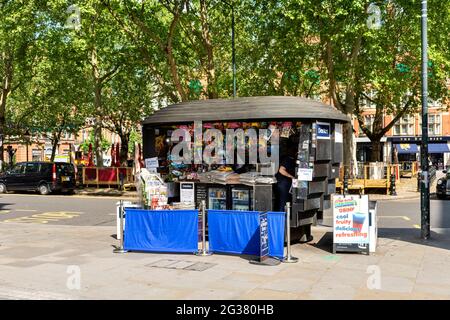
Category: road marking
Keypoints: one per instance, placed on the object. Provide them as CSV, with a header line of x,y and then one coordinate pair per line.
x,y
46,217
75,196
25,210
416,226
397,217
5,211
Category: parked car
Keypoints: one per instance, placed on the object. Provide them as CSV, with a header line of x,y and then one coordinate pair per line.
x,y
44,177
443,186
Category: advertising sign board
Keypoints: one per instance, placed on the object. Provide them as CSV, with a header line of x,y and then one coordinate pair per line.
x,y
351,223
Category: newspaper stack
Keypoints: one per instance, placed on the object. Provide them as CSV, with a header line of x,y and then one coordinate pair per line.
x,y
183,206
221,176
256,178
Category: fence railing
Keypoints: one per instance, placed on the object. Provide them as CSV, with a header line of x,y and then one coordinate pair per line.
x,y
409,168
109,176
369,176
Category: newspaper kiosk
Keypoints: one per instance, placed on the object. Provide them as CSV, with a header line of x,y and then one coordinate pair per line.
x,y
316,128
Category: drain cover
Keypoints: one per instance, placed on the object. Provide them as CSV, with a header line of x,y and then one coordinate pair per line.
x,y
181,265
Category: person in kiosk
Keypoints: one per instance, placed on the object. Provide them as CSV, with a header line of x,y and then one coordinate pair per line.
x,y
284,176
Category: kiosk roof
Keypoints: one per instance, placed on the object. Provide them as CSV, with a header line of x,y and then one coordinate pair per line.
x,y
246,109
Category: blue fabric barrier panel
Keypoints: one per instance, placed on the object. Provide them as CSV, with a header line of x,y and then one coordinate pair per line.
x,y
238,232
161,230
277,221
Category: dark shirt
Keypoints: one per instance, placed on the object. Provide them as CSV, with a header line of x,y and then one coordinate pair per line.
x,y
289,164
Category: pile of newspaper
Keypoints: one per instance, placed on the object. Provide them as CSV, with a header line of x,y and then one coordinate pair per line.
x,y
183,206
224,177
256,178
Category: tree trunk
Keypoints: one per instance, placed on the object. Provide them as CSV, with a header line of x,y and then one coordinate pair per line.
x,y
55,141
348,147
6,88
124,142
98,109
376,150
210,70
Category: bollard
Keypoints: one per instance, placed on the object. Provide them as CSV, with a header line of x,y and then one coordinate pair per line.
x,y
120,249
289,258
419,175
203,251
345,184
393,191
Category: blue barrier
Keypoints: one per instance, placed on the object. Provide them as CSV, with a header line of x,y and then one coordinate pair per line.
x,y
238,232
161,230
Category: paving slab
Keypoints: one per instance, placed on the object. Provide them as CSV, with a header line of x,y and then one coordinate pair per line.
x,y
39,265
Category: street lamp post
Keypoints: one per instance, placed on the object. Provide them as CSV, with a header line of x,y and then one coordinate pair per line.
x,y
425,182
27,138
233,52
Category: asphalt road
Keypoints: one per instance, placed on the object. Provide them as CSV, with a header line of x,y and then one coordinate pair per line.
x,y
58,209
100,211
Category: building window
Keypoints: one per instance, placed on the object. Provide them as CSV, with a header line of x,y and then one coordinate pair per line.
x,y
434,103
434,124
36,155
368,123
367,103
404,126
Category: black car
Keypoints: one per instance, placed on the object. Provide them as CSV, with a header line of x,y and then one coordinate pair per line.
x,y
44,177
443,186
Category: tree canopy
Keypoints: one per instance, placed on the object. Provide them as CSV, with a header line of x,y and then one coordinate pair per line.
x,y
114,61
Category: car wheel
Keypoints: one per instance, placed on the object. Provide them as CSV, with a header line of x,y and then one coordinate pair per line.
x,y
2,188
44,189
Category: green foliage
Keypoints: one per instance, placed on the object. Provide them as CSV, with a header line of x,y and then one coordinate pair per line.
x,y
105,145
127,58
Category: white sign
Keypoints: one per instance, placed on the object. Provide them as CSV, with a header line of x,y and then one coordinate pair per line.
x,y
338,133
151,162
351,220
305,174
187,193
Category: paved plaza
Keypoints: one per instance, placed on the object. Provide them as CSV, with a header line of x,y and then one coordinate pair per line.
x,y
41,261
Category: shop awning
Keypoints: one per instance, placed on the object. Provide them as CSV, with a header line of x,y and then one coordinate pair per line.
x,y
438,148
246,109
404,148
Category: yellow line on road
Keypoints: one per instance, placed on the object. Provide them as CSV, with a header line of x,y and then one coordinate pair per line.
x,y
46,217
397,217
416,226
5,211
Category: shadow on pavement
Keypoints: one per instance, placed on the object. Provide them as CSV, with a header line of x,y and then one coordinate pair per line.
x,y
440,238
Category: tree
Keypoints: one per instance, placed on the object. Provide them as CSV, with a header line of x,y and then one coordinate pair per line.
x,y
19,28
278,52
128,100
390,67
178,43
385,61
